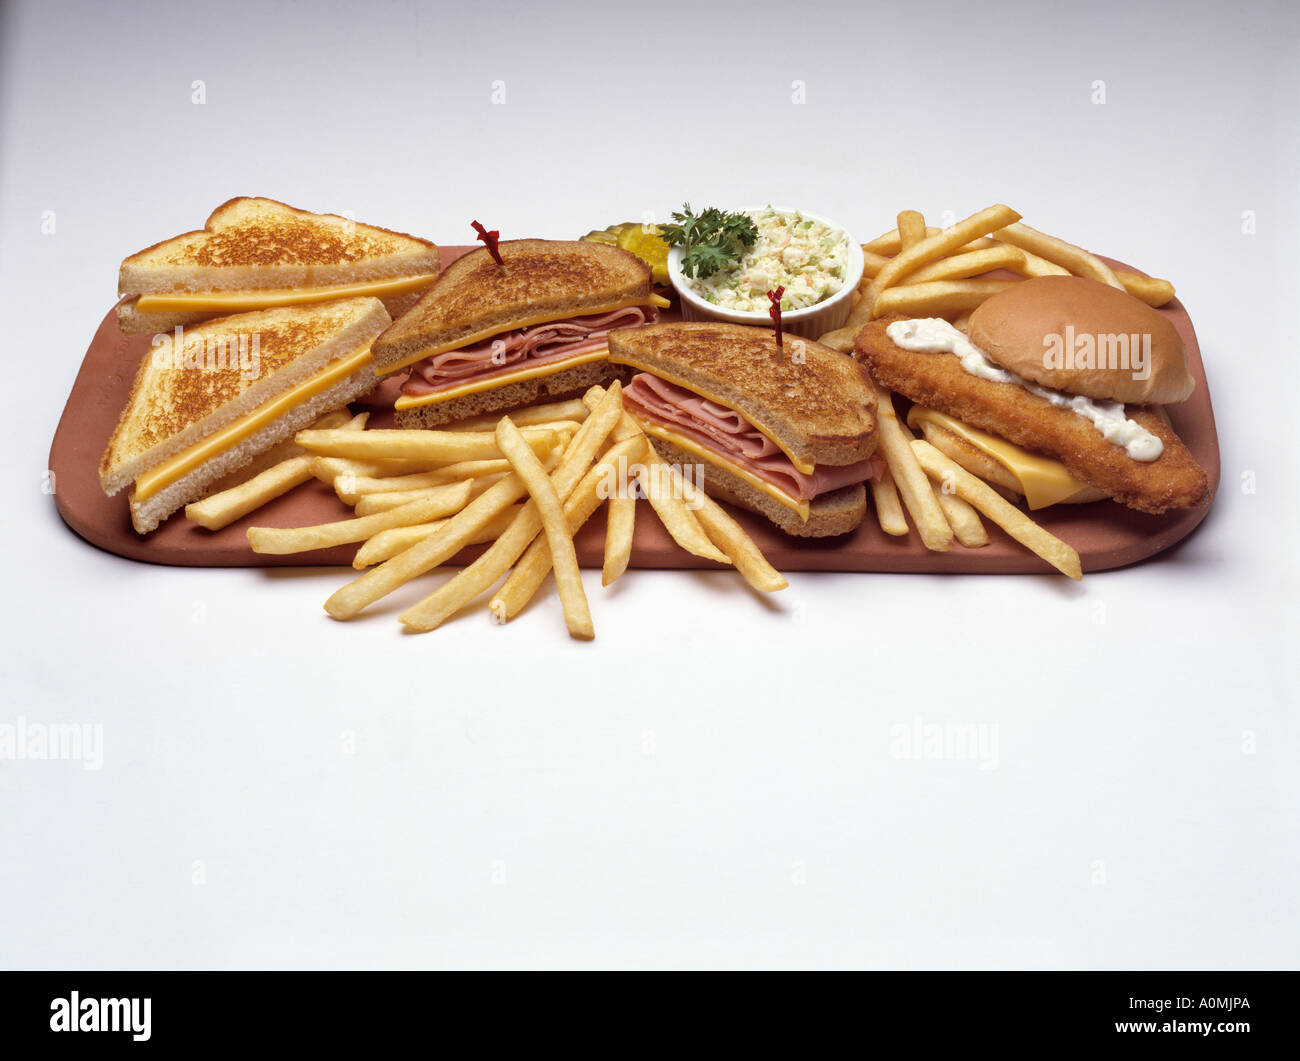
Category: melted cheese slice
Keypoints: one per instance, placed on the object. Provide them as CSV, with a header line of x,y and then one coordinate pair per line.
x,y
691,446
658,301
169,471
474,386
222,302
1042,480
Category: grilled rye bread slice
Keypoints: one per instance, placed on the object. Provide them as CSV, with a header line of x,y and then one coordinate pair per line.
x,y
813,402
542,280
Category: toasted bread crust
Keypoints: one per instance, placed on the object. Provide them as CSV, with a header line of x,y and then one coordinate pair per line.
x,y
837,512
571,383
815,403
256,243
547,279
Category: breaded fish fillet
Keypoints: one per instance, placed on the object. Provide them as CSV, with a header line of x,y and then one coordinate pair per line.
x,y
1172,480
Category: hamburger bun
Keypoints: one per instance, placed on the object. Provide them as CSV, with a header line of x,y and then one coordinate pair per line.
x,y
1073,334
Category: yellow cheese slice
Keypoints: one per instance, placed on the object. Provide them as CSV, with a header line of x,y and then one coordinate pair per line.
x,y
474,386
1043,481
222,302
693,447
169,471
541,318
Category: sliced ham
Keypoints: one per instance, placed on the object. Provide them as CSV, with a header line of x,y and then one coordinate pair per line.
x,y
725,432
539,344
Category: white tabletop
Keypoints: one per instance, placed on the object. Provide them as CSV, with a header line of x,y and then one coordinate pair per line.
x,y
717,780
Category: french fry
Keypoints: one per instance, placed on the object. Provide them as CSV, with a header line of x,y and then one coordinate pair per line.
x,y
531,416
889,510
620,523
730,536
448,473
938,298
971,263
444,543
531,570
983,497
390,542
889,243
222,508
936,245
911,229
432,447
564,560
680,522
282,540
962,321
1076,259
484,572
962,518
453,595
1031,266
383,500
841,339
886,246
872,263
943,243
328,469
1150,290
453,535
369,504
895,443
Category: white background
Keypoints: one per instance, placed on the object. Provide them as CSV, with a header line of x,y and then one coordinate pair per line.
x,y
717,780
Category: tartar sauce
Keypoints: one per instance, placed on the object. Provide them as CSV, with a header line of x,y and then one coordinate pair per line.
x,y
934,335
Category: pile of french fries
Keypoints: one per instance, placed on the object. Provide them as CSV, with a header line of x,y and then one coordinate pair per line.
x,y
919,271
922,271
945,500
524,482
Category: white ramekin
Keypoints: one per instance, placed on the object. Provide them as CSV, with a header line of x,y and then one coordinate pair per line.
x,y
810,323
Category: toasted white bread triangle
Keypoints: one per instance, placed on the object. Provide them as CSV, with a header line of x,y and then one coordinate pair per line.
x,y
183,395
256,244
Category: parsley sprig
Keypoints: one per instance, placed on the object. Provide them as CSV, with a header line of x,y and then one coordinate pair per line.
x,y
712,239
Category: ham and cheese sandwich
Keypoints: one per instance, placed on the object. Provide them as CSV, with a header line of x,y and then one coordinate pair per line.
x,y
488,338
787,432
256,254
206,405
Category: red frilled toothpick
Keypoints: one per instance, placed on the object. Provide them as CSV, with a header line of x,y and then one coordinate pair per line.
x,y
489,239
775,297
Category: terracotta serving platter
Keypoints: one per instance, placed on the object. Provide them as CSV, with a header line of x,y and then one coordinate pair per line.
x,y
1106,535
